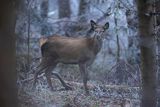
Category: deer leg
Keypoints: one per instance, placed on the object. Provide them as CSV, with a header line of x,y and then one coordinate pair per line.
x,y
48,73
67,87
84,76
37,72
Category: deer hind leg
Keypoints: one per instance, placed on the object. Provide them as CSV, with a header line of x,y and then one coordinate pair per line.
x,y
67,87
84,73
39,70
48,73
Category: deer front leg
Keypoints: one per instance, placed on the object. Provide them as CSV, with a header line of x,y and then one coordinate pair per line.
x,y
84,73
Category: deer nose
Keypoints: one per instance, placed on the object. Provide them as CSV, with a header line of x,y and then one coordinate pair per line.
x,y
97,32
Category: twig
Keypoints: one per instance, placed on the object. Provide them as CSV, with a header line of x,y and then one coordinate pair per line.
x,y
31,78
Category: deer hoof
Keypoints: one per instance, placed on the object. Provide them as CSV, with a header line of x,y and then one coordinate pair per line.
x,y
87,93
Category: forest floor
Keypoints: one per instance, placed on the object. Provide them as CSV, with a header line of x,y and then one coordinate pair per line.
x,y
101,95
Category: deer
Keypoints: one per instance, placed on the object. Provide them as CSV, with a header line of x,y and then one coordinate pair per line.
x,y
70,50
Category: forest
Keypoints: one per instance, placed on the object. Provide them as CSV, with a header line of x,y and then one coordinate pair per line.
x,y
80,53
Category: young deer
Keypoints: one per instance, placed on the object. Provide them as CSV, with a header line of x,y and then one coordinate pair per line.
x,y
67,50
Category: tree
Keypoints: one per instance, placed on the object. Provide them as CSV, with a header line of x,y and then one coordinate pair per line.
x,y
83,7
64,8
157,26
8,89
44,12
148,54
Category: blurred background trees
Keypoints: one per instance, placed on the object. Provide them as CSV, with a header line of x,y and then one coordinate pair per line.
x,y
118,63
71,18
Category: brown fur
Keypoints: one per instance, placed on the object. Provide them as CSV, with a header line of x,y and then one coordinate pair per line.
x,y
70,50
42,41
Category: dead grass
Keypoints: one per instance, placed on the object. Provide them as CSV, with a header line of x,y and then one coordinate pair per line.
x,y
100,95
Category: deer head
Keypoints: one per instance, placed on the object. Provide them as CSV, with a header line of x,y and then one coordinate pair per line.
x,y
98,30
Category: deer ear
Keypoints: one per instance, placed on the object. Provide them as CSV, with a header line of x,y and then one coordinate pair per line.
x,y
106,26
93,23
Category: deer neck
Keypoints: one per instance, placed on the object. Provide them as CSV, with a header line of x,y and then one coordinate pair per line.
x,y
97,44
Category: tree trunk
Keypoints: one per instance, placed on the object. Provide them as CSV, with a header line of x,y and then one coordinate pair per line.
x,y
44,13
119,71
8,89
28,39
44,8
148,55
83,6
157,6
64,8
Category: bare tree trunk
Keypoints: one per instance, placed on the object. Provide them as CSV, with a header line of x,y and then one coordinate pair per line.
x,y
8,89
64,8
44,12
117,37
158,79
44,8
83,6
119,74
28,34
157,6
148,55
